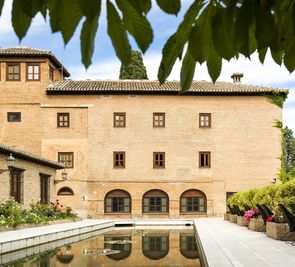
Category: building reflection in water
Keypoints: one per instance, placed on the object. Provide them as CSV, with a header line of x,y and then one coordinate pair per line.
x,y
188,246
155,247
121,243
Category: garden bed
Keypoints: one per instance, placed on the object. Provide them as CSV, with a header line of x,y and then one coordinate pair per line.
x,y
242,222
279,231
256,225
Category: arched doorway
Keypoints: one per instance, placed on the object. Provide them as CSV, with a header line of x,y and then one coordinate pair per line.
x,y
193,201
155,201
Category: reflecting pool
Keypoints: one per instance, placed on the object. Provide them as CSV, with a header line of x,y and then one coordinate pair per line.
x,y
123,247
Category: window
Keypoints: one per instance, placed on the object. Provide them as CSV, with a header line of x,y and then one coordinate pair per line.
x,y
63,120
204,159
13,72
205,120
117,201
119,119
65,191
13,116
159,160
44,188
159,120
188,246
33,71
119,159
155,247
66,158
192,201
155,201
51,73
16,185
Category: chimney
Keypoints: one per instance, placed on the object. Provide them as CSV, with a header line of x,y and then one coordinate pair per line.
x,y
237,77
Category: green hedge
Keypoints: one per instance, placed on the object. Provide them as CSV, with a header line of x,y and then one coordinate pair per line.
x,y
271,195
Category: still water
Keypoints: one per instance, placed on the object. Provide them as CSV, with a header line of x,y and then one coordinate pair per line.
x,y
123,248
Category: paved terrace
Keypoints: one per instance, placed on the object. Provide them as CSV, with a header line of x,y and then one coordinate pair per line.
x,y
225,244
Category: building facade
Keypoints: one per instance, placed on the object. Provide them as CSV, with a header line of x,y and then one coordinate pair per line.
x,y
138,149
30,179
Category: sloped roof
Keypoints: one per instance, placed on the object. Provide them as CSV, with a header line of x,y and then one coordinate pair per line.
x,y
20,154
25,51
154,87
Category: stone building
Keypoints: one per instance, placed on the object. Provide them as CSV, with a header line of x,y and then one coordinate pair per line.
x,y
138,149
28,178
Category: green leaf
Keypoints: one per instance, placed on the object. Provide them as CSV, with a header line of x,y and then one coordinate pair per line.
x,y
136,24
289,57
200,40
261,53
142,6
169,6
174,45
118,34
20,20
89,8
1,6
277,56
32,7
245,20
265,26
223,33
187,71
64,17
87,40
214,64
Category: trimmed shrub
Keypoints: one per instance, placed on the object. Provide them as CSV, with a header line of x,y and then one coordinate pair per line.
x,y
266,196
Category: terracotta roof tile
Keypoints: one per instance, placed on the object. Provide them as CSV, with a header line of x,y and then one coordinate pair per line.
x,y
32,52
17,153
154,87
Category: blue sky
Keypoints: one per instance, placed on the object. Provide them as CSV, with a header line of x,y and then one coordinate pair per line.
x,y
106,65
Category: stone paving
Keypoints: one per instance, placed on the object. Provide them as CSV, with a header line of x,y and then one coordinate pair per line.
x,y
227,244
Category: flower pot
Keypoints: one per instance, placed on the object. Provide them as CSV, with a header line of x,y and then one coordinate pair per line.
x,y
233,218
226,216
256,225
279,231
242,222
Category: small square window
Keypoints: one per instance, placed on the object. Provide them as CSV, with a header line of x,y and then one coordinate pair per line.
x,y
13,72
33,72
119,159
67,159
159,160
205,120
119,119
13,116
159,120
204,159
63,120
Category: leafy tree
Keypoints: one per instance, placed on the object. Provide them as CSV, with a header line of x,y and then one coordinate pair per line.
x,y
212,30
288,153
135,70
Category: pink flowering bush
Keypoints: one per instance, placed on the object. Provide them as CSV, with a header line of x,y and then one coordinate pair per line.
x,y
251,214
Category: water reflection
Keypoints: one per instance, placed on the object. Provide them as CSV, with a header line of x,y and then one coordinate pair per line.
x,y
155,247
121,243
130,247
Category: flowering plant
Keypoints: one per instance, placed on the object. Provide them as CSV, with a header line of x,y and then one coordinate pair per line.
x,y
270,218
251,214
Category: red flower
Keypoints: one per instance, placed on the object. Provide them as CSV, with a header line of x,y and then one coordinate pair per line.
x,y
270,218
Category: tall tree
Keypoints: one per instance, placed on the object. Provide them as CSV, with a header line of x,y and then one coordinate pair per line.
x,y
135,70
211,30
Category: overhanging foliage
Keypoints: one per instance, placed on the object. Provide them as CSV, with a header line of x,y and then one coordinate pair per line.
x,y
212,30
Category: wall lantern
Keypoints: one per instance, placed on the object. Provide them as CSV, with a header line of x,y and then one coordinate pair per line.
x,y
64,177
10,163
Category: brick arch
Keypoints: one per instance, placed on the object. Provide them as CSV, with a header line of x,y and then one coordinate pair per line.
x,y
155,201
117,201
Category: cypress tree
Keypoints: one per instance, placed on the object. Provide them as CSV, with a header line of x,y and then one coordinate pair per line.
x,y
135,70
